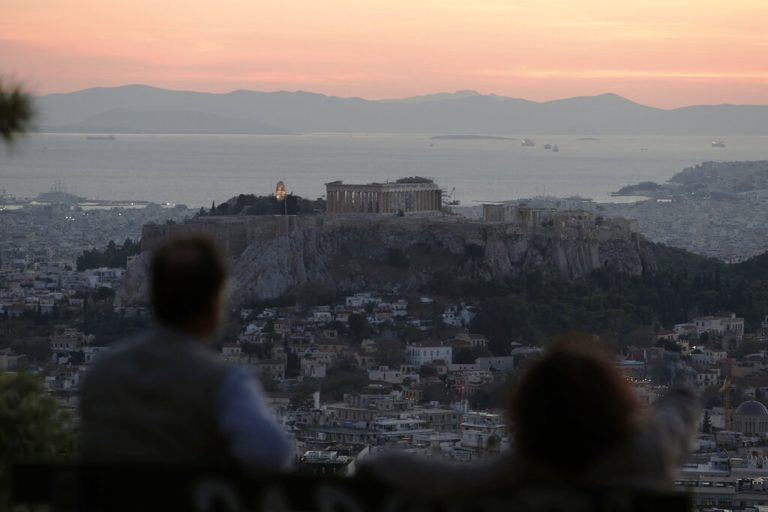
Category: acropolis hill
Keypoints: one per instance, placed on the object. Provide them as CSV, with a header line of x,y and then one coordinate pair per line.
x,y
276,255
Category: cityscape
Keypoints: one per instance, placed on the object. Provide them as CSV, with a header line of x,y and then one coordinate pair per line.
x,y
393,367
384,256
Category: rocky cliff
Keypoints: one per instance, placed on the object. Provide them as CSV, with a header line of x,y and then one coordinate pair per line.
x,y
384,253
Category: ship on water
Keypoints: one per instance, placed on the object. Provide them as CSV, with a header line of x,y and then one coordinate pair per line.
x,y
718,144
100,137
527,142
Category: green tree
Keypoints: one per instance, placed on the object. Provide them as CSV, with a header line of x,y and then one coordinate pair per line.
x,y
33,426
359,327
16,112
344,377
427,371
113,256
467,355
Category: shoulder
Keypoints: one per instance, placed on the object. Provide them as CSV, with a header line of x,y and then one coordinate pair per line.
x,y
117,354
239,383
183,352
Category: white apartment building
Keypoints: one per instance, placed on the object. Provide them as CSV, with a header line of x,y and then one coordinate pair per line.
x,y
708,356
429,352
708,378
720,325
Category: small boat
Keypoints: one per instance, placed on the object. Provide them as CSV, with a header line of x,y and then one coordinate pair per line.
x,y
718,144
555,149
527,142
547,146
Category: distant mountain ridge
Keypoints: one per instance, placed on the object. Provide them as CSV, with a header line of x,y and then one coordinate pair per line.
x,y
462,112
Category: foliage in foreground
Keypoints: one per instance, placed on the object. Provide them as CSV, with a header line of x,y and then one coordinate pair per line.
x,y
16,112
34,427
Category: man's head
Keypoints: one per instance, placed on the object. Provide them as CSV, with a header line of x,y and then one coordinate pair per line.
x,y
571,407
188,280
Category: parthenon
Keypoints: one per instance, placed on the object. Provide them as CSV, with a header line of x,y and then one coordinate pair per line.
x,y
404,195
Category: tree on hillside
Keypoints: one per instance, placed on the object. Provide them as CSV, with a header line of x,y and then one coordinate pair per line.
x,y
16,112
359,327
344,377
112,256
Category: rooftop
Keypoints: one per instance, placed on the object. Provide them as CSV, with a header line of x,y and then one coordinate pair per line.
x,y
751,408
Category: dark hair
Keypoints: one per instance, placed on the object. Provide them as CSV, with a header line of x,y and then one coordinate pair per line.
x,y
571,407
187,273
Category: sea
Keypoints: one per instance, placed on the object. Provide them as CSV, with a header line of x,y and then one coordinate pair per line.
x,y
196,170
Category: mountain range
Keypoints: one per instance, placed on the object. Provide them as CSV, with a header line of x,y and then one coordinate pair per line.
x,y
145,109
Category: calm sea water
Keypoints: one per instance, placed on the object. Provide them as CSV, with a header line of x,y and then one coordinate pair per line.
x,y
197,169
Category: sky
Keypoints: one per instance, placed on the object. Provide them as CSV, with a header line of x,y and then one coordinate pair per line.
x,y
664,53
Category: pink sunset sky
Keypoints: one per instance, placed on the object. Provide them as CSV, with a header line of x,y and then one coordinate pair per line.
x,y
665,53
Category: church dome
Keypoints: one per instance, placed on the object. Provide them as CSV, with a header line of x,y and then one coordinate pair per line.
x,y
751,408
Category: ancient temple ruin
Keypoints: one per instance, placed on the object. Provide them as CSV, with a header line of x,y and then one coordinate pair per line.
x,y
404,195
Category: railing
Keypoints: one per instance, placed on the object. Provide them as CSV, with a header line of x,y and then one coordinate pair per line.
x,y
66,488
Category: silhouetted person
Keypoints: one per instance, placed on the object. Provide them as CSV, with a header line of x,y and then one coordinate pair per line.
x,y
571,409
165,397
575,421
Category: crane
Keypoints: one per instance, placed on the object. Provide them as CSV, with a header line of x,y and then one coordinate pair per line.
x,y
727,405
451,198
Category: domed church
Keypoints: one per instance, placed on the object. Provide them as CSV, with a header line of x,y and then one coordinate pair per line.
x,y
751,417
